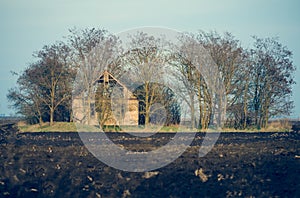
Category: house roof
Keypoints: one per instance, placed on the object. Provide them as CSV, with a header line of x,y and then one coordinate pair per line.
x,y
109,76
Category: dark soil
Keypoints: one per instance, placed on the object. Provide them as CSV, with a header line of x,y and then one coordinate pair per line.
x,y
240,165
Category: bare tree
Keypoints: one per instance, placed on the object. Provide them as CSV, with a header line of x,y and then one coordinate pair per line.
x,y
44,84
198,81
95,51
144,65
53,75
272,80
212,73
227,53
26,99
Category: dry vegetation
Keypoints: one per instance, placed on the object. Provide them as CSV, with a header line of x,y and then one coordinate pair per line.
x,y
275,126
45,127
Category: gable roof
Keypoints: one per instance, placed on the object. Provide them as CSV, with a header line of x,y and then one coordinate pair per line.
x,y
106,76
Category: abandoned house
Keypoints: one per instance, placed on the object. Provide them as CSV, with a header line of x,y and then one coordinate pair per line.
x,y
112,103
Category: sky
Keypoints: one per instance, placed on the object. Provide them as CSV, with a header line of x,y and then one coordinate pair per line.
x,y
26,26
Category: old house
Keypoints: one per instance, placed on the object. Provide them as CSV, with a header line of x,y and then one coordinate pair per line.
x,y
112,103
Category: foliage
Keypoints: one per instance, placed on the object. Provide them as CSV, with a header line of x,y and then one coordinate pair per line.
x,y
257,81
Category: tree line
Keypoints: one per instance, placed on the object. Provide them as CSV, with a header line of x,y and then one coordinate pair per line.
x,y
257,81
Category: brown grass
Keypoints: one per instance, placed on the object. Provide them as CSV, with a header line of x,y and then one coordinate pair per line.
x,y
274,126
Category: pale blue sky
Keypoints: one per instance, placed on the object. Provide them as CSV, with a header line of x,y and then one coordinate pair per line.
x,y
28,25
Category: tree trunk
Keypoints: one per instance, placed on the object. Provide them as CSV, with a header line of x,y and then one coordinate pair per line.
x,y
88,107
52,95
51,116
40,118
245,106
192,111
147,105
71,115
